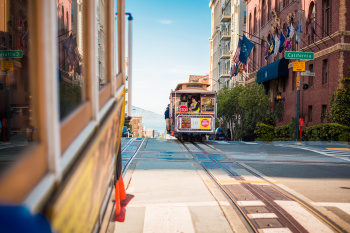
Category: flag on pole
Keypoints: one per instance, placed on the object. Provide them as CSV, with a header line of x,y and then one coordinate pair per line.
x,y
288,31
236,56
292,31
282,40
271,47
266,55
236,70
246,48
297,39
232,70
277,46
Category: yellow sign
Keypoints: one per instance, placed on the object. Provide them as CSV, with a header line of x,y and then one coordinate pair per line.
x,y
205,123
6,65
298,81
77,206
299,66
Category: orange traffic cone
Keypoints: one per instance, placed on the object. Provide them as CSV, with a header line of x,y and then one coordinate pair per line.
x,y
124,198
119,211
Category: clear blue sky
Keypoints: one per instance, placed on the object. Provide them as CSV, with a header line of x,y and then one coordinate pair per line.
x,y
170,42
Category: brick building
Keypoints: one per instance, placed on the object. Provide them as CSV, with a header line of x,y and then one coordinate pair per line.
x,y
331,46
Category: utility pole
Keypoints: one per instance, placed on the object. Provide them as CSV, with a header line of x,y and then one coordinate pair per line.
x,y
130,18
298,75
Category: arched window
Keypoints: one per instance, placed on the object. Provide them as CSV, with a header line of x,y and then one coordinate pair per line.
x,y
255,21
311,27
62,19
268,9
263,12
326,17
250,22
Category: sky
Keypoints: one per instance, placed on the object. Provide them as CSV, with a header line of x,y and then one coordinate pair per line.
x,y
170,42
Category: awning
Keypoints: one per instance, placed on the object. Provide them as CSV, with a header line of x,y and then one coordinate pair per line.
x,y
274,70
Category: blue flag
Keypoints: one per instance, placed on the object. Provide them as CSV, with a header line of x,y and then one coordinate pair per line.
x,y
272,47
288,31
282,40
246,48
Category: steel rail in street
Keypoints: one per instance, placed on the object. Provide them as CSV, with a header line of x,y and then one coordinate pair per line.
x,y
228,195
321,216
126,166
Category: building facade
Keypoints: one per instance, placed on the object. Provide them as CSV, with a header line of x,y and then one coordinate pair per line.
x,y
228,22
325,31
136,126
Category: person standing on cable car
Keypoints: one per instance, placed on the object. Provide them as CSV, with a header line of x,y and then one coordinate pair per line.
x,y
167,119
194,106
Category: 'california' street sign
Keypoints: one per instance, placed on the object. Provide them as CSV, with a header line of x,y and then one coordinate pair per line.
x,y
11,54
299,55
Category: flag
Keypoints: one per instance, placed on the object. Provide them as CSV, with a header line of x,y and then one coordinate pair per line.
x,y
277,45
236,70
288,31
246,48
26,36
288,45
297,39
245,66
271,46
238,51
292,31
232,70
266,55
282,40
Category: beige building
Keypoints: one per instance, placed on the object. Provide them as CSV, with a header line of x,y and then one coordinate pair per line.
x,y
228,22
136,126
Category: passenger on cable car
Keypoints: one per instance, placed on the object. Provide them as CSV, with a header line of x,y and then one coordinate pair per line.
x,y
195,107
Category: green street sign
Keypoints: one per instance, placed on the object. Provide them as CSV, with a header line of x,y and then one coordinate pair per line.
x,y
11,54
299,55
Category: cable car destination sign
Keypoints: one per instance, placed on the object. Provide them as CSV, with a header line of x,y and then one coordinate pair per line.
x,y
299,55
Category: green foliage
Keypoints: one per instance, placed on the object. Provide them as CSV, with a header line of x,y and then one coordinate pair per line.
x,y
70,97
327,132
282,133
340,104
292,128
264,132
245,107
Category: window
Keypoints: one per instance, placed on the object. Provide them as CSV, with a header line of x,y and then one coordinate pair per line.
x,y
311,78
312,23
16,112
324,71
324,113
255,21
294,80
310,113
276,5
263,12
326,17
250,23
245,18
101,43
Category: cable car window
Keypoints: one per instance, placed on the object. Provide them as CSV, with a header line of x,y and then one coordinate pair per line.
x,y
101,43
208,104
72,82
17,130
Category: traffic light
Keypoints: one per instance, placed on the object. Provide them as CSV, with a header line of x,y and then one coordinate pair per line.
x,y
305,86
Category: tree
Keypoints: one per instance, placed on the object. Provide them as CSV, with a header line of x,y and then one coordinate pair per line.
x,y
243,107
340,104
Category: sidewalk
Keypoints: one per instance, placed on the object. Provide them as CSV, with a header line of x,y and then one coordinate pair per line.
x,y
170,195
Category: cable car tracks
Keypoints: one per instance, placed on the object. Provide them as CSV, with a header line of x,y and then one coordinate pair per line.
x,y
129,152
264,206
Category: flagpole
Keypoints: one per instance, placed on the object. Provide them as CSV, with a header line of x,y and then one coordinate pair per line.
x,y
314,34
255,36
254,42
322,29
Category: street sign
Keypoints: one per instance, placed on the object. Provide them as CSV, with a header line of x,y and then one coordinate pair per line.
x,y
299,55
11,54
6,65
307,73
298,81
299,66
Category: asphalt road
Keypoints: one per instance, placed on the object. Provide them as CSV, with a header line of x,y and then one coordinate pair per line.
x,y
316,172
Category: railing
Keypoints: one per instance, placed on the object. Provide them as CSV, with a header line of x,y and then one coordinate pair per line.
x,y
224,51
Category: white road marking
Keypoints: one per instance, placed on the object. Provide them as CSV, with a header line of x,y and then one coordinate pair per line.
x,y
222,142
343,206
250,203
275,230
251,143
262,215
167,219
304,217
183,204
